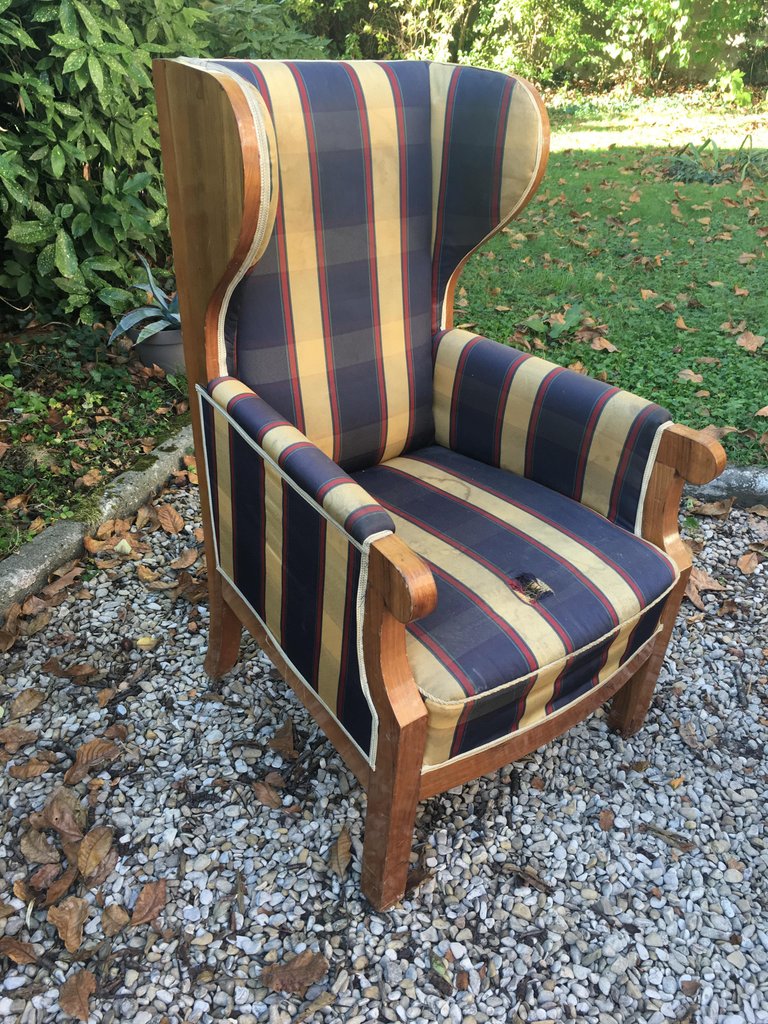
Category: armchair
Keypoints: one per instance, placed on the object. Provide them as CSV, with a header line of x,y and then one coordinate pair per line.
x,y
452,551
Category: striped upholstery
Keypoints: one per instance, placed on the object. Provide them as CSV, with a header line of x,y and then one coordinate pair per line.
x,y
292,533
589,441
540,600
382,176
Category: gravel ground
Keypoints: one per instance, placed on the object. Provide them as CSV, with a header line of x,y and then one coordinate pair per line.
x,y
600,880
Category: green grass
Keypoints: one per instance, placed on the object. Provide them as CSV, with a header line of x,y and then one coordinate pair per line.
x,y
607,225
73,414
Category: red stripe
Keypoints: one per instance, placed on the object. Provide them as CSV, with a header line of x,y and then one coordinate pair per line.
x,y
625,460
501,132
441,196
365,133
404,246
533,421
586,442
285,291
418,631
455,404
501,405
321,262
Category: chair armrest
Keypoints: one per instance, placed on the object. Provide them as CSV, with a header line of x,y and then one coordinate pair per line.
x,y
569,432
317,477
697,457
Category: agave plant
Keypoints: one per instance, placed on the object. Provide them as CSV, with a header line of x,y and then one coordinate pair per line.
x,y
163,315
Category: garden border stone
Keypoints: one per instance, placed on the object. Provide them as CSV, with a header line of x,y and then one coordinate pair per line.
x,y
28,569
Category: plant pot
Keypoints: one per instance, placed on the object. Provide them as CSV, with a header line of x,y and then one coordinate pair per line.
x,y
165,349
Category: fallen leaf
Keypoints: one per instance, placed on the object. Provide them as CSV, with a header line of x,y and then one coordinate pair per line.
x,y
63,813
37,850
297,974
68,918
694,378
20,952
283,742
697,582
147,643
763,411
646,293
187,557
93,849
75,994
275,779
689,987
90,755
145,574
114,919
29,769
82,671
323,1000
527,876
749,341
606,819
25,703
105,696
61,886
759,510
677,782
267,795
715,284
150,902
123,547
740,291
717,509
746,258
44,876
341,853
689,736
683,326
169,519
439,975
748,562
13,738
603,345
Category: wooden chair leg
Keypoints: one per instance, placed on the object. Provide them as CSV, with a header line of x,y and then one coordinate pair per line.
x,y
224,634
631,704
393,795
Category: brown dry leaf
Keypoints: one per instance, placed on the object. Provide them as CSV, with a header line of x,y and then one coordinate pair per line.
x,y
105,696
187,557
37,850
647,293
169,519
689,736
717,509
694,378
677,782
147,643
29,770
275,779
749,341
63,813
93,849
6,910
68,918
746,258
25,703
82,671
689,987
309,1011
341,853
145,574
266,795
90,755
44,876
283,743
297,974
603,345
150,902
748,562
103,871
13,738
606,819
75,994
718,433
681,325
763,411
61,886
114,919
759,510
20,952
698,581
64,578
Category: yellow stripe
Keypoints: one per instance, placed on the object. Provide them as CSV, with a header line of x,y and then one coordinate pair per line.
x,y
608,581
516,417
439,81
442,720
273,550
224,492
344,499
522,149
301,249
385,161
448,354
334,600
608,443
224,392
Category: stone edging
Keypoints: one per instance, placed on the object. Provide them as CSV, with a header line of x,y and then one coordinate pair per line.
x,y
29,568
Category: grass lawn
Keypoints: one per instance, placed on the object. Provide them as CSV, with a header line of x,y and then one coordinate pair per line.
x,y
657,286
73,414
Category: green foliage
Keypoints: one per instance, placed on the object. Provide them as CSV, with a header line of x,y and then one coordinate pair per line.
x,y
706,163
80,179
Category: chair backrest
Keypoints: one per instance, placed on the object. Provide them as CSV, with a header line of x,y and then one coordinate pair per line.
x,y
382,177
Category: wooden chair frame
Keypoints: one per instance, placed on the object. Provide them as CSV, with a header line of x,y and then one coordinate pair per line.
x,y
220,172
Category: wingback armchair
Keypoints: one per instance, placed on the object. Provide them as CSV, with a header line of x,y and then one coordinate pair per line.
x,y
452,551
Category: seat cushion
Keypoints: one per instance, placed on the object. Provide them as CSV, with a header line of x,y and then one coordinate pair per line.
x,y
540,599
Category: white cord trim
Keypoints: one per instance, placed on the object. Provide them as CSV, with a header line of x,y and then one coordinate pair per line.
x,y
362,590
649,467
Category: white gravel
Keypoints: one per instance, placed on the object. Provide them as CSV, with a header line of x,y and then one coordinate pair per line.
x,y
629,924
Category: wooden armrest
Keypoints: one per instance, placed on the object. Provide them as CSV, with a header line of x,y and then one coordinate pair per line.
x,y
403,579
697,457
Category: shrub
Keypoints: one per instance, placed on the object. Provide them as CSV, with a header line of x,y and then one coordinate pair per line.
x,y
80,179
